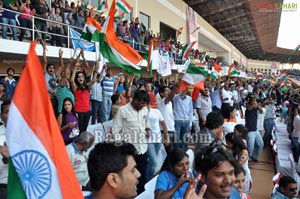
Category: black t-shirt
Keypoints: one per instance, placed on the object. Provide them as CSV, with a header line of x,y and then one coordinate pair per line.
x,y
40,10
251,119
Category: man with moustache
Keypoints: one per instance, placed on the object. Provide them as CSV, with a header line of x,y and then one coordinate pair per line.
x,y
113,171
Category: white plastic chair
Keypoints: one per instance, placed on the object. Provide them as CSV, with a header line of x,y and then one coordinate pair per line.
x,y
149,189
190,152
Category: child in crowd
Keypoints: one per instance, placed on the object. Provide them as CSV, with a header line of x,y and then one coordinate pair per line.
x,y
239,183
116,104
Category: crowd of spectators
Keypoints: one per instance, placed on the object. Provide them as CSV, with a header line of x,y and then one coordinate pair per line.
x,y
202,118
55,18
294,73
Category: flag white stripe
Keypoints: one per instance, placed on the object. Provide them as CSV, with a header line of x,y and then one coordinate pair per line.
x,y
123,60
123,6
193,78
20,137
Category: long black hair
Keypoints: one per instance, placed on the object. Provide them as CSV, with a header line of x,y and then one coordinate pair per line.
x,y
64,112
81,86
238,144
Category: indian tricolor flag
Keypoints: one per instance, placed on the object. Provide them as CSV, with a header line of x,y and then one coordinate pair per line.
x,y
186,49
150,50
116,51
281,77
91,29
178,33
39,166
217,67
259,75
233,71
195,76
103,5
295,83
125,6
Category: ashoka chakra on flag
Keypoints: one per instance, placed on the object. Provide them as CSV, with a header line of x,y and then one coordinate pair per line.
x,y
34,171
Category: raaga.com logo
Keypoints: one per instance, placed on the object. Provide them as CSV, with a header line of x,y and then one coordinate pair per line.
x,y
278,7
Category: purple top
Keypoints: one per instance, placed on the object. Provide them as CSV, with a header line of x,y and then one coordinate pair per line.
x,y
66,133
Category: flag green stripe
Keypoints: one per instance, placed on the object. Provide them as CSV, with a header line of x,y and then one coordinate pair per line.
x,y
295,86
14,187
234,72
87,35
108,54
125,9
150,72
10,1
196,70
184,49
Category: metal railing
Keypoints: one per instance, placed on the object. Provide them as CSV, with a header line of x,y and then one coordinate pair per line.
x,y
66,29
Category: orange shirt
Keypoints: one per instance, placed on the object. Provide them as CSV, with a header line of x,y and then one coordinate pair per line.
x,y
229,120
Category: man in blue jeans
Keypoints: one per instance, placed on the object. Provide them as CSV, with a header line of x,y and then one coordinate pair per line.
x,y
9,18
108,86
269,121
254,140
183,116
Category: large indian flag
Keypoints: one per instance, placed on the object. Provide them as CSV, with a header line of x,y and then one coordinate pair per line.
x,y
233,71
195,76
116,51
186,49
295,83
150,57
39,165
91,29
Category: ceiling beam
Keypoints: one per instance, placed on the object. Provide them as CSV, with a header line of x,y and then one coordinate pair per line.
x,y
226,8
238,32
248,46
234,26
196,2
230,18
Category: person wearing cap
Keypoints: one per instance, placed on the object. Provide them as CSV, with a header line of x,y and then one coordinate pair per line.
x,y
155,139
10,82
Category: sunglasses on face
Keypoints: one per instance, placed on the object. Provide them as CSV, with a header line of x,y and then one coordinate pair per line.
x,y
292,189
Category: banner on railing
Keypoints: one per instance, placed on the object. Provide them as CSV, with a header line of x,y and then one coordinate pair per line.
x,y
79,43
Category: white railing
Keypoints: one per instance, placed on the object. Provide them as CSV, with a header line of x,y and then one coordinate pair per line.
x,y
66,28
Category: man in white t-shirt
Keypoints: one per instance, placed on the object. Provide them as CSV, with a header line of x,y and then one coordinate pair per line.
x,y
166,108
226,95
154,136
77,152
204,106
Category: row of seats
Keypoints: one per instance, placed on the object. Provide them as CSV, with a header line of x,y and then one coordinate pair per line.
x,y
284,159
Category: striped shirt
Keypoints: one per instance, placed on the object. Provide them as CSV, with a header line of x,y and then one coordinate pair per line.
x,y
96,93
108,85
